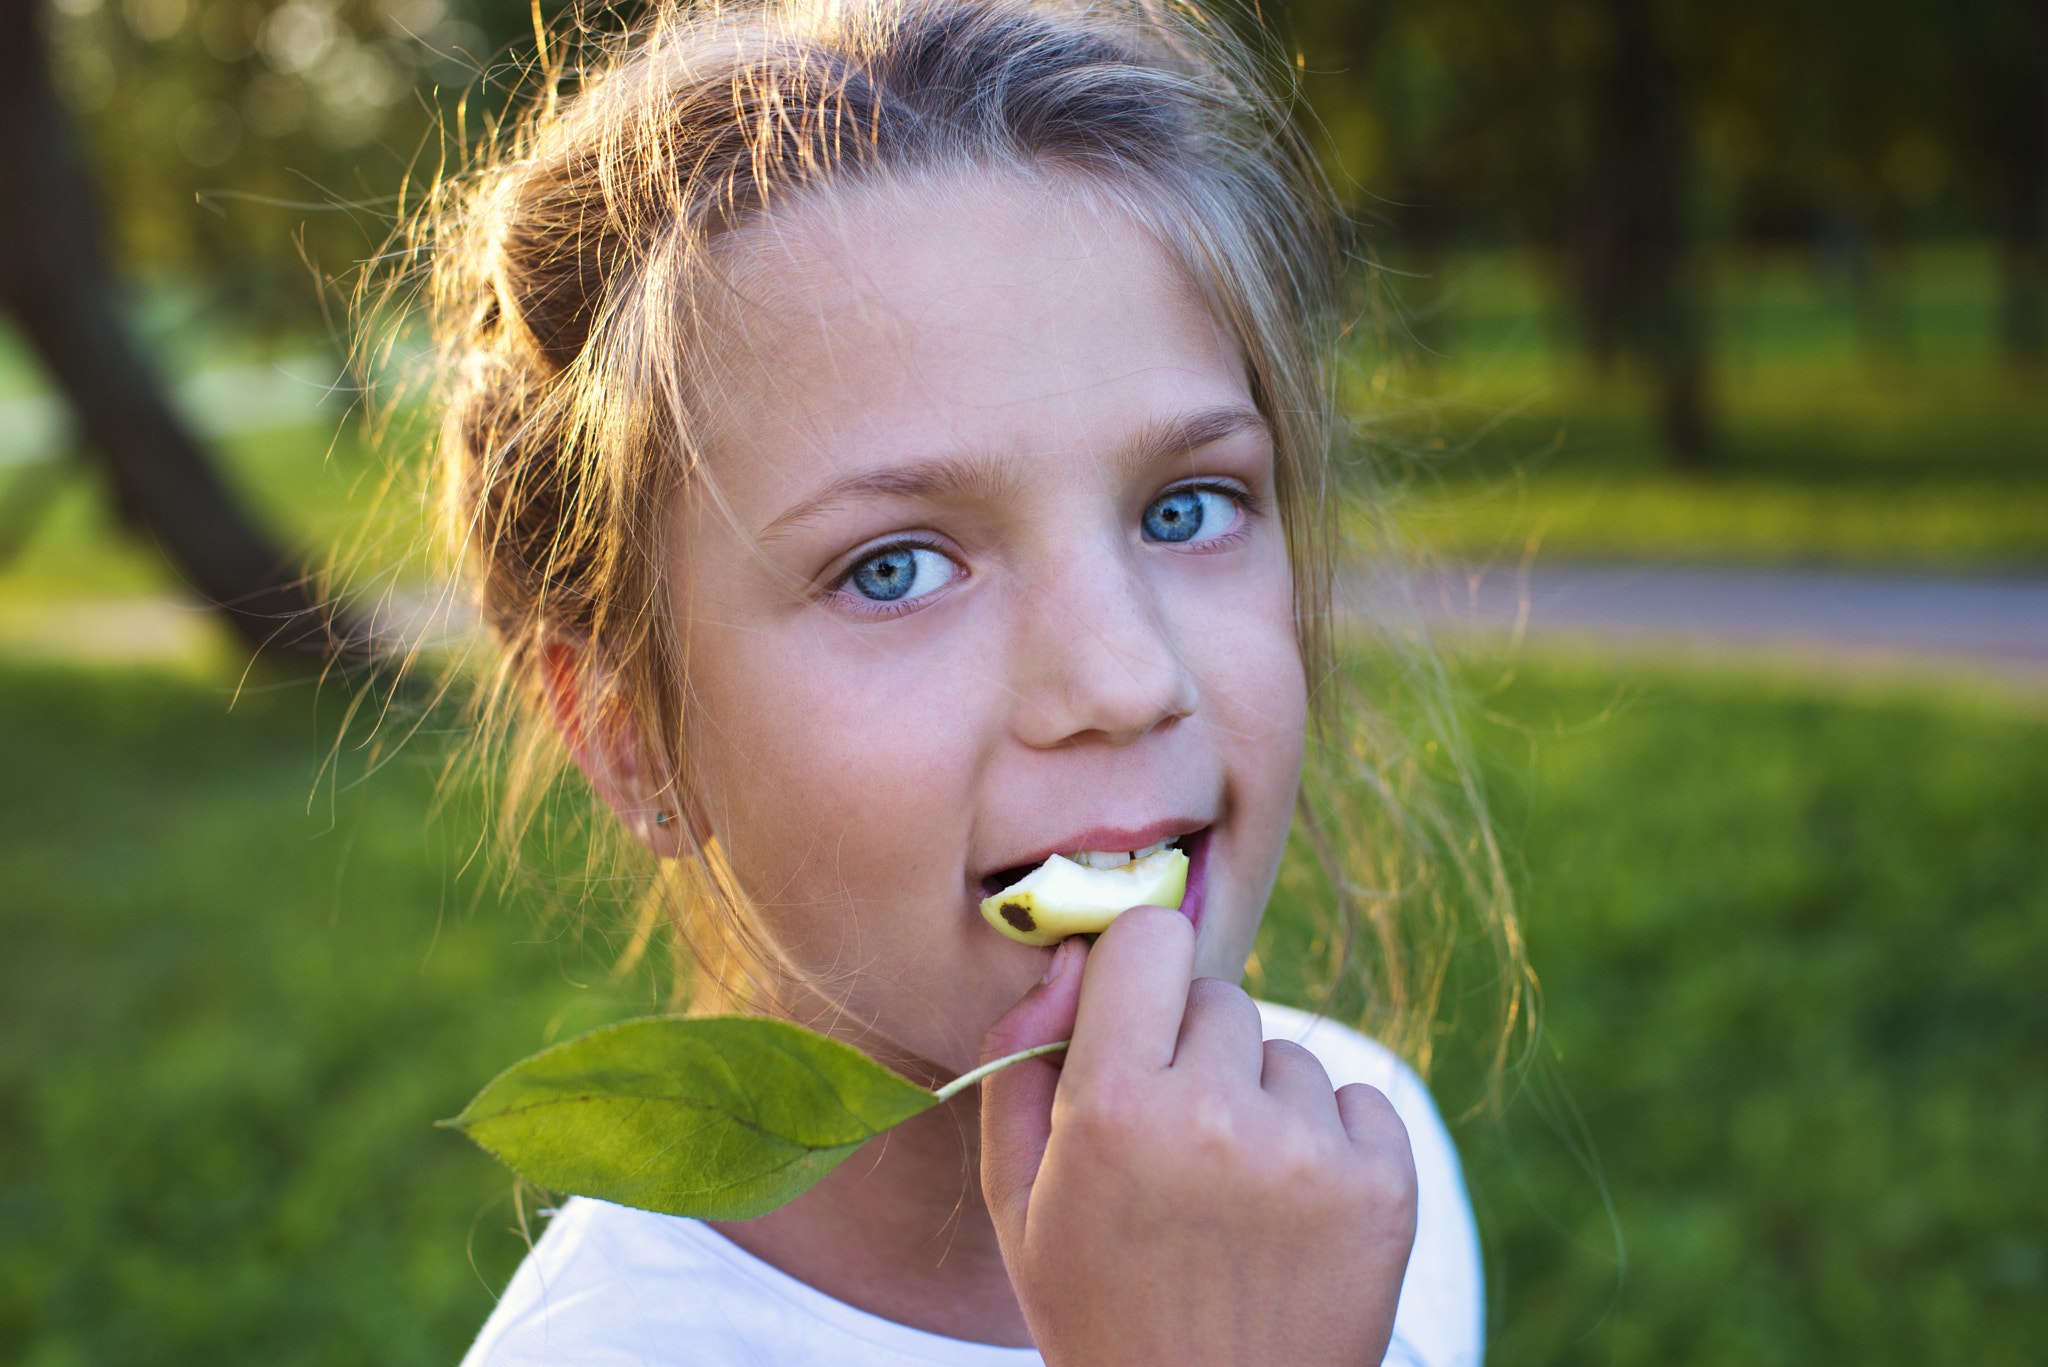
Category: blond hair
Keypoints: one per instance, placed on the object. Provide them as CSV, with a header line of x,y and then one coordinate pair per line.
x,y
567,272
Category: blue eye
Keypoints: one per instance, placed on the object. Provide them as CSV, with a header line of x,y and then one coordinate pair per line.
x,y
901,572
1189,515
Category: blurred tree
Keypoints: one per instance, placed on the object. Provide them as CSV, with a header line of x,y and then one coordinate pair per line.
x,y
55,281
258,150
1629,229
2004,106
1627,138
1566,123
260,146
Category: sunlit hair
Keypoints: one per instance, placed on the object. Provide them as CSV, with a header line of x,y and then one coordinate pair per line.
x,y
570,279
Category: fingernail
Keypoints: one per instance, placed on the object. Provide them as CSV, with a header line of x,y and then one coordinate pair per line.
x,y
1058,963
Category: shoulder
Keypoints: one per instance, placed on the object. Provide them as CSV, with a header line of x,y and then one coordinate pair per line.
x,y
1441,1319
596,1288
608,1286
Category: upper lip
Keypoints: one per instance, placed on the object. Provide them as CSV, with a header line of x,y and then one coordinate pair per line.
x,y
1106,838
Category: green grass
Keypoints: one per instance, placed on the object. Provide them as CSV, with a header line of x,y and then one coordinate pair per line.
x,y
1790,947
235,1000
1791,952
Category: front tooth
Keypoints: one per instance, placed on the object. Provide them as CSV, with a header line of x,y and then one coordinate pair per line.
x,y
1116,859
1101,859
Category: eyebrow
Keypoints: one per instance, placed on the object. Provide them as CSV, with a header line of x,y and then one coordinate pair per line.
x,y
942,477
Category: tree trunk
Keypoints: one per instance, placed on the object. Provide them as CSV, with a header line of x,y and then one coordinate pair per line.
x,y
2024,239
56,282
1631,259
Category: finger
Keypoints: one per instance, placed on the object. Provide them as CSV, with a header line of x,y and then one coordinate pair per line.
x,y
1296,1079
1046,1012
1379,1142
1016,1103
1369,1118
1135,993
1220,1030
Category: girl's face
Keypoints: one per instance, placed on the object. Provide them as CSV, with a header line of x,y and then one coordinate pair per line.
x,y
988,567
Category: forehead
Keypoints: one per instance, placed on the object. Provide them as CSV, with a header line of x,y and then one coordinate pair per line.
x,y
976,316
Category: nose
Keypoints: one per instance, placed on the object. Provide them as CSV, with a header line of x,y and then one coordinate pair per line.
x,y
1097,661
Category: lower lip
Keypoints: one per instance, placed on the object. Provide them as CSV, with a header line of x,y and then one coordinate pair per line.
x,y
1196,847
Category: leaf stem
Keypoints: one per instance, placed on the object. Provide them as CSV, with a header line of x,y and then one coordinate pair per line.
x,y
968,1079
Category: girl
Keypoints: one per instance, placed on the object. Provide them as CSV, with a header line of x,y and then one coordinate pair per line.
x,y
889,440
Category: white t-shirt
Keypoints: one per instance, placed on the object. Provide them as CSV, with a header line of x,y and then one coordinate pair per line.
x,y
607,1286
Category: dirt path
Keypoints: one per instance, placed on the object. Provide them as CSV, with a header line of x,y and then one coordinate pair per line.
x,y
1997,626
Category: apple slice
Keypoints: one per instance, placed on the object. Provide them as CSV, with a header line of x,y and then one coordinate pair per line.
x,y
1061,897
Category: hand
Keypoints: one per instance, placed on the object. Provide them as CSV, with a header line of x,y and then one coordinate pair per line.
x,y
1176,1191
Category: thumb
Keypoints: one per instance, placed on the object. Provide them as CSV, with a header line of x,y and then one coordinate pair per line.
x,y
1016,1103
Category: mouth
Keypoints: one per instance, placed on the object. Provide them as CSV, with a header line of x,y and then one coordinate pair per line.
x,y
1194,844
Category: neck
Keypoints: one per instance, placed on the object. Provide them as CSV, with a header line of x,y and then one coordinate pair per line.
x,y
900,1230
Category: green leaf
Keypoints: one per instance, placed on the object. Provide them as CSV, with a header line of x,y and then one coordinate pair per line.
x,y
723,1117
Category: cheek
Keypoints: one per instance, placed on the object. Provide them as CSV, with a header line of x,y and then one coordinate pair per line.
x,y
1261,709
1256,696
1246,655
831,772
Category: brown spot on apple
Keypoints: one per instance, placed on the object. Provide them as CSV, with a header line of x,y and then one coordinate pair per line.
x,y
1018,915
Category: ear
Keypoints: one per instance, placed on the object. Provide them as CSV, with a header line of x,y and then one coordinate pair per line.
x,y
601,738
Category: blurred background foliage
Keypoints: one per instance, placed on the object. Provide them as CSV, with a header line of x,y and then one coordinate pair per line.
x,y
1741,281
259,151
1652,279
1606,133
